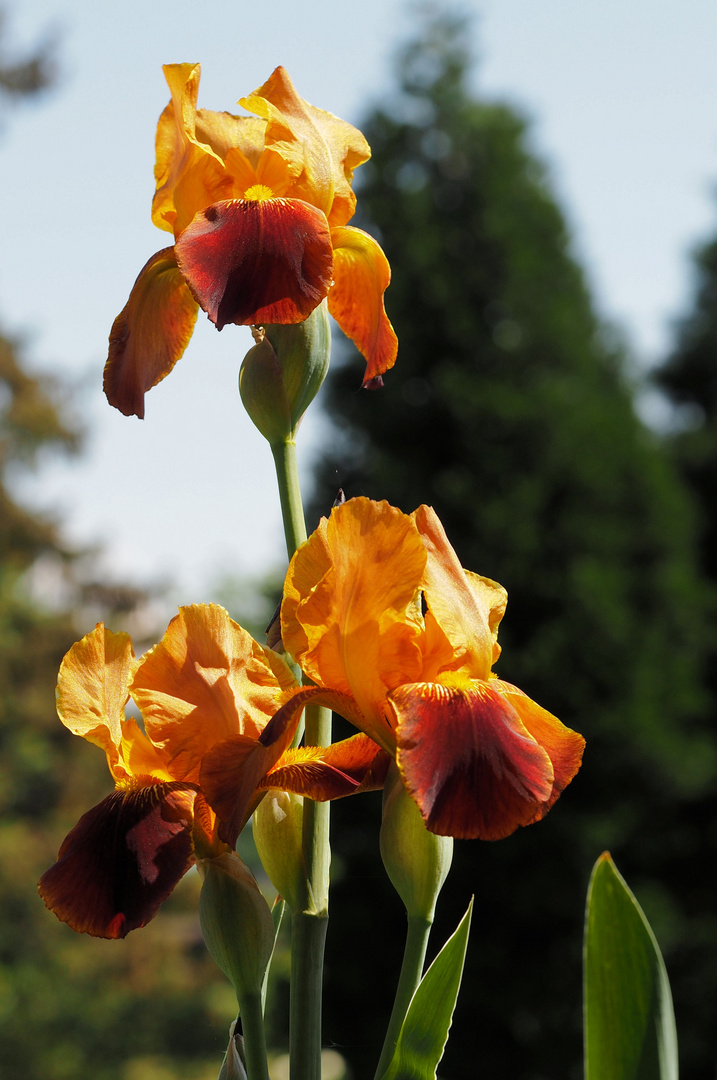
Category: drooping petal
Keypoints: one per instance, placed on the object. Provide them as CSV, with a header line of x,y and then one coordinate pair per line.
x,y
321,150
361,276
331,772
249,261
350,613
467,608
205,681
93,689
466,758
122,859
563,746
150,333
189,174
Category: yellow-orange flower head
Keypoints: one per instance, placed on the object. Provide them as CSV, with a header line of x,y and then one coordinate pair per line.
x,y
259,209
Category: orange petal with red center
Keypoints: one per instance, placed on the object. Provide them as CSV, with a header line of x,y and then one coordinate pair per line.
x,y
257,261
150,333
121,860
206,680
468,761
361,276
563,746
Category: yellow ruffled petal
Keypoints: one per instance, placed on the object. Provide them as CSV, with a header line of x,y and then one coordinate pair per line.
x,y
206,681
93,689
150,333
189,174
361,276
466,609
350,613
320,150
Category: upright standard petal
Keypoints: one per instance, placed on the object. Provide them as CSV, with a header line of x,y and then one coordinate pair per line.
x,y
350,613
150,333
321,150
361,277
257,261
189,174
205,681
122,859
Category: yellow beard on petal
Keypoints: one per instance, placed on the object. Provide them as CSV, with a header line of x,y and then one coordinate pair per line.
x,y
259,193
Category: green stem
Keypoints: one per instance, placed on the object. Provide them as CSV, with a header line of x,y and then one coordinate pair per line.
x,y
414,956
252,1023
309,925
292,510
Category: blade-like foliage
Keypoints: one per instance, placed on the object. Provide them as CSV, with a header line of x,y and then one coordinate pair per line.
x,y
629,1021
424,1033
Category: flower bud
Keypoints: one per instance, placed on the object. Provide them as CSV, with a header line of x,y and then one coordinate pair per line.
x,y
236,922
282,374
233,1067
277,824
416,860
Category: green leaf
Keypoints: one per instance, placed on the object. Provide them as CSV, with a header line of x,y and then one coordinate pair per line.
x,y
424,1033
629,1022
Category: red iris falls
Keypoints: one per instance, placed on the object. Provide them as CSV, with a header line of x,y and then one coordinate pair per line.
x,y
259,207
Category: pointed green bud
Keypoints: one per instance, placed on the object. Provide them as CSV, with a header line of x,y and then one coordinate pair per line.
x,y
277,824
416,860
236,922
283,372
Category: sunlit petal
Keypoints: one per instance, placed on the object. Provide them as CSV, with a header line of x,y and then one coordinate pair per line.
x,y
250,261
350,611
361,276
122,859
468,761
93,689
331,772
150,333
205,681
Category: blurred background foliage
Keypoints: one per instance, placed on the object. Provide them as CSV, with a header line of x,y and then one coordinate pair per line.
x,y
511,411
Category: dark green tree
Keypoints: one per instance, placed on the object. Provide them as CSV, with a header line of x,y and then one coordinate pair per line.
x,y
71,1006
510,411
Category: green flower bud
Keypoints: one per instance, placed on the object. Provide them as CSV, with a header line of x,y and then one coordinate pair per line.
x,y
416,860
236,922
282,374
277,824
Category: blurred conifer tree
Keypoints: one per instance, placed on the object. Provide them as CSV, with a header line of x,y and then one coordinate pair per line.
x,y
510,411
154,1005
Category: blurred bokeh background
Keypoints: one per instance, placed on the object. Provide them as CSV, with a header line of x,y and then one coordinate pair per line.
x,y
541,182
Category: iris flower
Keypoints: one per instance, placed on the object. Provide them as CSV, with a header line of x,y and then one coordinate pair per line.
x,y
259,207
401,640
205,685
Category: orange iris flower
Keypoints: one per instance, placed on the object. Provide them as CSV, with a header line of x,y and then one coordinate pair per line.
x,y
401,640
258,206
205,685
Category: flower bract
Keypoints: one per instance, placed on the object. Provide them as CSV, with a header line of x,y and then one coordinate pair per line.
x,y
259,209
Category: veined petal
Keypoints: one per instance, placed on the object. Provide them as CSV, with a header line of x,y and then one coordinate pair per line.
x,y
205,681
350,613
331,772
249,261
468,761
321,150
189,174
563,746
122,859
93,689
467,608
150,333
361,276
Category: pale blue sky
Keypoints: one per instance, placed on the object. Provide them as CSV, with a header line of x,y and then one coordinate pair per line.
x,y
624,99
